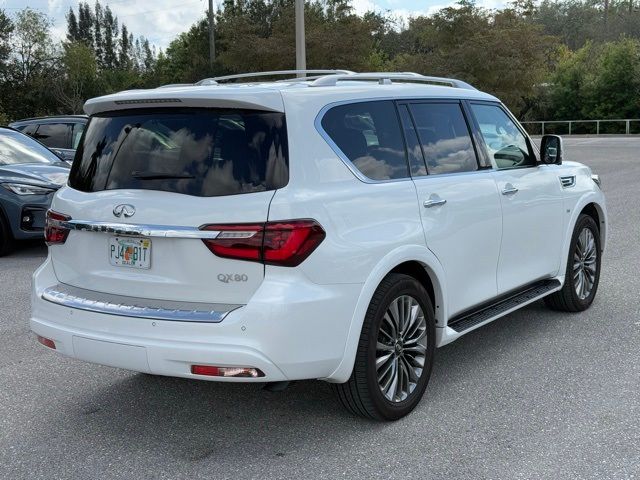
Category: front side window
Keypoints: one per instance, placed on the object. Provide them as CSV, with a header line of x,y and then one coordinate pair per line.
x,y
505,143
199,152
445,138
369,135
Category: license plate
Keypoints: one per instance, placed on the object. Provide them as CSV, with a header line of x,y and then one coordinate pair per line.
x,y
130,252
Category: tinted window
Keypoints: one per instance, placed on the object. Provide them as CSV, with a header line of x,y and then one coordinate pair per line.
x,y
505,142
16,147
196,152
76,134
54,135
369,135
28,129
445,137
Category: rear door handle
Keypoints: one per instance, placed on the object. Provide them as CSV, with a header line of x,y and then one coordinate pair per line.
x,y
509,189
434,202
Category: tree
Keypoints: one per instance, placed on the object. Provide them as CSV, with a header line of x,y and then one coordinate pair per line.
x,y
110,34
598,81
77,79
29,68
73,33
85,24
97,33
31,45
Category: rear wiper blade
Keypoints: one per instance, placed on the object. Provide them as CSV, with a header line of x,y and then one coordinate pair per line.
x,y
159,175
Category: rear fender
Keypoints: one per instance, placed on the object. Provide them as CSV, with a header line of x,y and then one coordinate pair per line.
x,y
387,264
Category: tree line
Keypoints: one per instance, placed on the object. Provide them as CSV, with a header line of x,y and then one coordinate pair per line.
x,y
556,59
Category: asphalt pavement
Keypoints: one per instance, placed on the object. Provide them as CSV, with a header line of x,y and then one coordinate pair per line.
x,y
535,395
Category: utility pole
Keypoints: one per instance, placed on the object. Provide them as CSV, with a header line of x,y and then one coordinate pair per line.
x,y
212,43
301,56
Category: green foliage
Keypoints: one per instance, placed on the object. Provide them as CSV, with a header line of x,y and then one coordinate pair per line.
x,y
597,81
77,80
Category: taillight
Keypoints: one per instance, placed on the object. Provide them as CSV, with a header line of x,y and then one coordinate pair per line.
x,y
54,233
286,243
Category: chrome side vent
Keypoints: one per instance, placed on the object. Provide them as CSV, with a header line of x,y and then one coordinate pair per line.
x,y
568,181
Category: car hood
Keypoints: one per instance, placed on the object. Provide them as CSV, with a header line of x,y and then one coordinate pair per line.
x,y
35,174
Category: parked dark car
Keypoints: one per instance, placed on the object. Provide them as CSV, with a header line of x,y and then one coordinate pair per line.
x,y
30,173
60,133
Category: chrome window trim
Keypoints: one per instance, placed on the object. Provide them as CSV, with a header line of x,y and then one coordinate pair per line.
x,y
88,300
454,174
140,230
359,175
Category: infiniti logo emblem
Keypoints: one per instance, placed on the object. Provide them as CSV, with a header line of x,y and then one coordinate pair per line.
x,y
125,210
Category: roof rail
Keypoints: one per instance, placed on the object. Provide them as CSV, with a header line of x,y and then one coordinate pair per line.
x,y
172,85
387,78
216,80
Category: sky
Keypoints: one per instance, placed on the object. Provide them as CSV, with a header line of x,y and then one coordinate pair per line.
x,y
162,20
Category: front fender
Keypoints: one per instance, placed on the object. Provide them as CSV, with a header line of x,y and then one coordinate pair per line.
x,y
591,197
394,258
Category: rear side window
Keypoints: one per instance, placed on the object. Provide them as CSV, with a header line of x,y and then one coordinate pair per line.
x,y
54,135
198,152
369,135
445,138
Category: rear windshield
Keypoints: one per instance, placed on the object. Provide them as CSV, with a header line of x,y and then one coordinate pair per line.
x,y
204,153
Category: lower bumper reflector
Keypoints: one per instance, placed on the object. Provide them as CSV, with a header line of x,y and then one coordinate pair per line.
x,y
211,371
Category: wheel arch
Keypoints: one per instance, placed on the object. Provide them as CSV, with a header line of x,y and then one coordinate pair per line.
x,y
416,261
592,204
595,211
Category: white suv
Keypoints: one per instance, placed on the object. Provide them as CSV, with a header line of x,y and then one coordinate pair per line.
x,y
336,227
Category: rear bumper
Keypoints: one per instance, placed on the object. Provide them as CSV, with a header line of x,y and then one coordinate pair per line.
x,y
291,329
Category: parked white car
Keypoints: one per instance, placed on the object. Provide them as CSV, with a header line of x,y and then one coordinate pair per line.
x,y
336,227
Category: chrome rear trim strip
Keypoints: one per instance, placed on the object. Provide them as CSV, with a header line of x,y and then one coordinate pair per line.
x,y
142,230
82,299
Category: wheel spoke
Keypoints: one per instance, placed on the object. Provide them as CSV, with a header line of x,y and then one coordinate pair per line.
x,y
394,315
388,327
382,359
411,341
414,321
411,371
393,386
417,348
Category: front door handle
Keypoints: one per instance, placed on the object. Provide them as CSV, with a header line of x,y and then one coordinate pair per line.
x,y
434,202
509,189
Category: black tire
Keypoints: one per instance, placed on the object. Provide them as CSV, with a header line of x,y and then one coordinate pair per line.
x,y
6,238
567,299
361,394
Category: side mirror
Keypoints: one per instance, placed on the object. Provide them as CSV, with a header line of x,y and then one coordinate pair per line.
x,y
551,149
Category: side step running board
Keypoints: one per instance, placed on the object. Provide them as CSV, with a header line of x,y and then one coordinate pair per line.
x,y
512,301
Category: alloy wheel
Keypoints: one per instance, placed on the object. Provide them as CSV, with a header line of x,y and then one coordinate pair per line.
x,y
585,263
401,348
